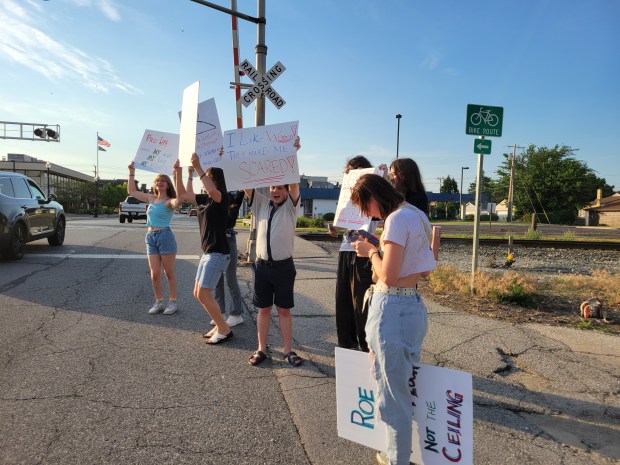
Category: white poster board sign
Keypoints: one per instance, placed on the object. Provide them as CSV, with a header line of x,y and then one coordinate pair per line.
x,y
189,118
157,152
209,138
261,156
443,423
348,215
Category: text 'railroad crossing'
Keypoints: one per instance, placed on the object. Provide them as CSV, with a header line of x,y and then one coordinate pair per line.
x,y
262,84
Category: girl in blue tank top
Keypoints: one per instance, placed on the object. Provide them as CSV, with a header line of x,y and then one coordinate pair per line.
x,y
161,246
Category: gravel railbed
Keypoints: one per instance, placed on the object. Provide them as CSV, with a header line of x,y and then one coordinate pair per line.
x,y
547,261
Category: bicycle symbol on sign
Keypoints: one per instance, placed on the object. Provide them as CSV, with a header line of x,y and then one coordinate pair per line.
x,y
484,116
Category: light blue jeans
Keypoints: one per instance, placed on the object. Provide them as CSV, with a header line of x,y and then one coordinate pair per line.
x,y
395,330
231,281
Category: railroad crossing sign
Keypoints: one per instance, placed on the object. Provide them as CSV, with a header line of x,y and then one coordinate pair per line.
x,y
484,121
482,146
262,84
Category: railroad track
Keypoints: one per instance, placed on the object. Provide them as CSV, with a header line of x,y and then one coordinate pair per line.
x,y
541,244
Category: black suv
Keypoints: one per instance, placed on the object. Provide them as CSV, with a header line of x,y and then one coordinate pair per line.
x,y
27,215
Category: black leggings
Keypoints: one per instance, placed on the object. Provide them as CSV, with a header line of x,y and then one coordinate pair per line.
x,y
354,276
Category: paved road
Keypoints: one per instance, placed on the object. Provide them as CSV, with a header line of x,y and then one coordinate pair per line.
x,y
88,377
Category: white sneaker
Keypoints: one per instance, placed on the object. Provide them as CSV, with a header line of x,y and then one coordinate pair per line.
x,y
157,307
212,323
171,308
234,320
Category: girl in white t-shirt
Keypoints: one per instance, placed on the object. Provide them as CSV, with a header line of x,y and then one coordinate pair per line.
x,y
397,319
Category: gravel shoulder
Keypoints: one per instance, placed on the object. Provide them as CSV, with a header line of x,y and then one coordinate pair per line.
x,y
537,263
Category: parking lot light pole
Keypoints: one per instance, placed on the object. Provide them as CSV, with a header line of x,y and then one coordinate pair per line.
x,y
398,117
48,165
461,193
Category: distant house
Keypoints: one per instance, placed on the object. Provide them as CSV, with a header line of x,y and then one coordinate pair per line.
x,y
602,211
318,196
500,209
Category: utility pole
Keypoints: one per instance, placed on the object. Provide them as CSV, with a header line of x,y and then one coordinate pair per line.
x,y
511,183
261,60
440,183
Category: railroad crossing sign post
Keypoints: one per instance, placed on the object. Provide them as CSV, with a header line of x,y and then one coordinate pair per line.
x,y
262,84
482,121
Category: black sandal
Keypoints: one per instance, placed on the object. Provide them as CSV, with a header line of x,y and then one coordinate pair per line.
x,y
293,359
257,358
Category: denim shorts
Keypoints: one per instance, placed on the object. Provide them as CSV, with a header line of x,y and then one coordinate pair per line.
x,y
211,268
160,242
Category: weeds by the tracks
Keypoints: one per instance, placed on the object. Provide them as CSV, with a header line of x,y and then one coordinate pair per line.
x,y
558,294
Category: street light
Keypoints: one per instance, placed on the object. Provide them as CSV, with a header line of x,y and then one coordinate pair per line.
x,y
461,193
48,165
398,117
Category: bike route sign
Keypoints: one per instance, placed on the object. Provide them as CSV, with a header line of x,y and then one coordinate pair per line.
x,y
482,146
483,120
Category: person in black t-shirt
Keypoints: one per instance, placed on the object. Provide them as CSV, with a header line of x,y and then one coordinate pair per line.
x,y
212,214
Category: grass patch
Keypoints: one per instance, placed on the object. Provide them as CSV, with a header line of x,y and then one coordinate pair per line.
x,y
526,291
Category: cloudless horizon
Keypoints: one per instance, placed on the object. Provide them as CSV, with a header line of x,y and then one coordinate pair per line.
x,y
118,68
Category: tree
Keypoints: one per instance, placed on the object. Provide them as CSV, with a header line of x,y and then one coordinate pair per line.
x,y
550,182
489,190
112,194
449,186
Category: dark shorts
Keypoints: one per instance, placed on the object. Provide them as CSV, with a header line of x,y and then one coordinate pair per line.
x,y
274,282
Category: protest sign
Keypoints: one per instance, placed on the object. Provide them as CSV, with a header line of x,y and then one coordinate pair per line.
x,y
261,156
157,152
443,423
348,215
208,134
189,118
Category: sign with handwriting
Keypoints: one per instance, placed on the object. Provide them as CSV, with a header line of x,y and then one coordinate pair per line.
x,y
443,414
348,215
157,152
260,157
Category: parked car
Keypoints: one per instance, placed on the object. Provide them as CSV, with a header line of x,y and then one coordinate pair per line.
x,y
26,215
193,212
132,209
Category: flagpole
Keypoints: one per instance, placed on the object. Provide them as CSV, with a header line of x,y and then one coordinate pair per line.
x,y
97,176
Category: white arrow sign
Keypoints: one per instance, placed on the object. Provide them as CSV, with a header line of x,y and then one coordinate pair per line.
x,y
262,84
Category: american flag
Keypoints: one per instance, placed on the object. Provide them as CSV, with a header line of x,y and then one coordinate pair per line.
x,y
103,142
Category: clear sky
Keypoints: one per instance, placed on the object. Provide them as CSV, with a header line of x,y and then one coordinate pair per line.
x,y
120,67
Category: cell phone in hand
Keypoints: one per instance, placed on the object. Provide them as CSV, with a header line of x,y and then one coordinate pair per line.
x,y
366,235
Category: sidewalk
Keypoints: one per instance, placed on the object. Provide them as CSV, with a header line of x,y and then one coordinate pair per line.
x,y
542,394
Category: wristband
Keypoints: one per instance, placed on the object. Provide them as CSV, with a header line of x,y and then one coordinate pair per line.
x,y
372,253
203,175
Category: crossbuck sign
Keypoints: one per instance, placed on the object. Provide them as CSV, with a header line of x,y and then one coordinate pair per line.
x,y
262,84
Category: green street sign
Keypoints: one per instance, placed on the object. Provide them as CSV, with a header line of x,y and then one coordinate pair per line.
x,y
484,121
482,146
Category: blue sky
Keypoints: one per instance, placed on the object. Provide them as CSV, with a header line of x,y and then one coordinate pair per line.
x,y
119,68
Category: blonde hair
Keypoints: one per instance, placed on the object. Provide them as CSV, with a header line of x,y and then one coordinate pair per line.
x,y
171,192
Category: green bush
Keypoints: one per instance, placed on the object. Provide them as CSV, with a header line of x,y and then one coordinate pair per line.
x,y
303,222
329,216
318,222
